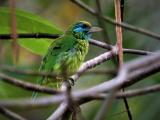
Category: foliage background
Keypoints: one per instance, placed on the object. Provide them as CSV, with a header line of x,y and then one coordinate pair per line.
x,y
62,13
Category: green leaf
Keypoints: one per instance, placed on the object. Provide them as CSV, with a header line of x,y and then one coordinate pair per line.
x,y
29,23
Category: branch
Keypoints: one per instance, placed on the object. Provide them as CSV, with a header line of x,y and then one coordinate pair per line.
x,y
150,65
87,65
26,85
108,100
101,22
130,78
119,35
133,77
59,112
125,50
63,111
12,6
121,95
47,101
102,72
27,72
103,111
93,62
122,24
140,91
15,70
92,41
119,32
9,114
30,35
137,52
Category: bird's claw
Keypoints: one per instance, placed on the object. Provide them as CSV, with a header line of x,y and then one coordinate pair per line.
x,y
71,81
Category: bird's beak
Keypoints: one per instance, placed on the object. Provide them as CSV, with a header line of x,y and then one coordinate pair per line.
x,y
95,29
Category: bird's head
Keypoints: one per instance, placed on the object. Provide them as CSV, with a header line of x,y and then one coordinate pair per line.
x,y
83,30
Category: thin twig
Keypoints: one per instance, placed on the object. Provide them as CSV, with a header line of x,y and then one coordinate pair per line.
x,y
89,64
67,91
109,99
51,75
59,112
131,77
102,72
46,101
120,95
125,50
9,114
12,5
101,22
153,60
140,91
27,72
26,85
122,24
119,34
92,41
30,35
137,52
105,36
84,97
102,113
93,62
62,110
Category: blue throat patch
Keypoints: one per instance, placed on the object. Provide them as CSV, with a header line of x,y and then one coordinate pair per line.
x,y
82,33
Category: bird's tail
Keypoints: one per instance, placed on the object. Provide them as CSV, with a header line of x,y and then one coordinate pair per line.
x,y
35,94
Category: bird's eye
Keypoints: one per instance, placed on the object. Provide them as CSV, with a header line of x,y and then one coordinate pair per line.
x,y
85,26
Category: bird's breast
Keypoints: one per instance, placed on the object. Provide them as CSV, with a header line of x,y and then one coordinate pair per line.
x,y
73,58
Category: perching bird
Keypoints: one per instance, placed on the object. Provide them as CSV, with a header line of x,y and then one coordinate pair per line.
x,y
67,52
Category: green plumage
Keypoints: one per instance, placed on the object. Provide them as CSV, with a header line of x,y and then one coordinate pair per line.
x,y
67,52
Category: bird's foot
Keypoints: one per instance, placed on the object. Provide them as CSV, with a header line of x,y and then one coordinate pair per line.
x,y
71,81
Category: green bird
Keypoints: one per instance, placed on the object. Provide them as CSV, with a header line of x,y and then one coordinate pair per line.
x,y
67,52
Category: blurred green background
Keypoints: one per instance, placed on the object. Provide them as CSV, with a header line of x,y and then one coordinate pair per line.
x,y
62,13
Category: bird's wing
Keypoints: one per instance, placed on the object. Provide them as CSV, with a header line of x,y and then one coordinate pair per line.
x,y
56,50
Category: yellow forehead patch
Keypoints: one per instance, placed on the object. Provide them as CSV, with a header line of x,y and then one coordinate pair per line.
x,y
87,23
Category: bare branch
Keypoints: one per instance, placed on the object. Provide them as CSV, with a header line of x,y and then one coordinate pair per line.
x,y
125,50
119,35
63,111
29,103
46,101
12,6
140,91
59,112
69,100
30,35
26,85
101,22
119,32
102,72
122,24
93,62
27,72
89,64
92,41
9,114
15,70
154,67
108,100
137,52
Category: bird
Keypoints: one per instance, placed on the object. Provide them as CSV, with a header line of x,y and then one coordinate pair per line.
x,y
66,53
